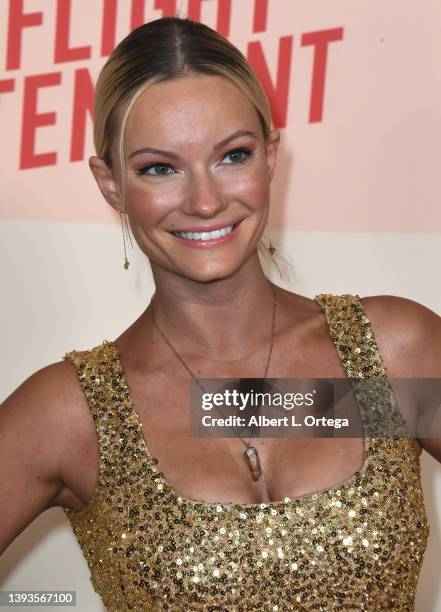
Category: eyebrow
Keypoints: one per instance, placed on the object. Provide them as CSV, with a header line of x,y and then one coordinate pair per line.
x,y
216,147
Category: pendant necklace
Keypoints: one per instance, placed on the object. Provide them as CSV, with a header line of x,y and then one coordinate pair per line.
x,y
251,454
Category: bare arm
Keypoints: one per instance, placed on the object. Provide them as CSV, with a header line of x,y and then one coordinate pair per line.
x,y
38,432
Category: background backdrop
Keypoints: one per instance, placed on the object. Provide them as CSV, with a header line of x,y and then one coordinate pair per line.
x,y
355,89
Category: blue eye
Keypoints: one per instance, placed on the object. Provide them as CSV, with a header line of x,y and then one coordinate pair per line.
x,y
238,156
243,154
145,169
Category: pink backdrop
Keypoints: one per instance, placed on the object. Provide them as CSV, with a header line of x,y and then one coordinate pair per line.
x,y
337,73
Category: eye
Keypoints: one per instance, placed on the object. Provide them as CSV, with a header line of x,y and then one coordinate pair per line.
x,y
238,156
145,169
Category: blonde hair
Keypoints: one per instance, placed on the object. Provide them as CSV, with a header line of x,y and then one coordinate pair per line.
x,y
163,50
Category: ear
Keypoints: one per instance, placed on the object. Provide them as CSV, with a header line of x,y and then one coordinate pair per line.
x,y
106,182
271,147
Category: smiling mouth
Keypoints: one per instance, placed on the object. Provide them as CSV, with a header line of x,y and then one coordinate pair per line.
x,y
206,235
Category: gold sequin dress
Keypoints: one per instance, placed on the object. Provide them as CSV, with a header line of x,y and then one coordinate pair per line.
x,y
356,546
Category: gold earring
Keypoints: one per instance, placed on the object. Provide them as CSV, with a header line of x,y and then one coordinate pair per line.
x,y
125,229
271,249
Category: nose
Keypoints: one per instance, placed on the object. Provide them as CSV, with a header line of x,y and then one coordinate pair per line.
x,y
204,197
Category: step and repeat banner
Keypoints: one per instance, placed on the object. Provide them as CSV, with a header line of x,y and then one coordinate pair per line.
x,y
355,89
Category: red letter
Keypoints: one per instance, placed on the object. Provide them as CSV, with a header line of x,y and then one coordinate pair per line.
x,y
260,15
137,17
63,53
223,14
108,33
7,85
278,95
223,17
82,105
194,10
17,22
32,120
320,40
168,8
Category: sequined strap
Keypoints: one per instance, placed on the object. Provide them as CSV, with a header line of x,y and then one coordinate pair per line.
x,y
101,384
353,336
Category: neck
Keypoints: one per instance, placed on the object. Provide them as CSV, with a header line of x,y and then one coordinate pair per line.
x,y
225,320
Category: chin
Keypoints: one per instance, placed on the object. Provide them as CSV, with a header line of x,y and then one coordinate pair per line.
x,y
210,275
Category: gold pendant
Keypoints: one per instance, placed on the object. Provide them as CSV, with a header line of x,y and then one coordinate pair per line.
x,y
252,458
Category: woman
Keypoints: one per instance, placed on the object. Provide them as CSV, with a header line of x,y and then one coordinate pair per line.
x,y
167,521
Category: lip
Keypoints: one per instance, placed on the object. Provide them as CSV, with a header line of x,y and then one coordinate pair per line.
x,y
204,244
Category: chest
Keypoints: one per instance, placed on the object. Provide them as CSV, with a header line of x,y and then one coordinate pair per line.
x,y
214,468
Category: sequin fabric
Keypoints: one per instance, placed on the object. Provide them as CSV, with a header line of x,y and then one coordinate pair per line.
x,y
356,546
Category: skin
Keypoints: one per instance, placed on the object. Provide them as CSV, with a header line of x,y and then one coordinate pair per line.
x,y
202,302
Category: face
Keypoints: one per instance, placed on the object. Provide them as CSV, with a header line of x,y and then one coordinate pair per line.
x,y
198,176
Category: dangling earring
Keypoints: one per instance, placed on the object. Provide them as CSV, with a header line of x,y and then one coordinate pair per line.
x,y
271,249
125,229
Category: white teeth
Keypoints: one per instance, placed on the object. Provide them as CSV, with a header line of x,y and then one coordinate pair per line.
x,y
205,235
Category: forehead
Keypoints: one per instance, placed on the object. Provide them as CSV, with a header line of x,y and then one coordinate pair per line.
x,y
191,109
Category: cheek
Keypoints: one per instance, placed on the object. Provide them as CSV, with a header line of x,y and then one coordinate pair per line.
x,y
250,188
148,204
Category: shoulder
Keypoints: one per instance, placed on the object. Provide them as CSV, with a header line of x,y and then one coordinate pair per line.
x,y
57,384
49,387
408,335
50,398
51,413
405,309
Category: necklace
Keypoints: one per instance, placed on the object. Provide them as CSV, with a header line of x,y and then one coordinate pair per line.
x,y
251,454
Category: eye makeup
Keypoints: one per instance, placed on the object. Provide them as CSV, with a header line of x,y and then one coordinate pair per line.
x,y
244,151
